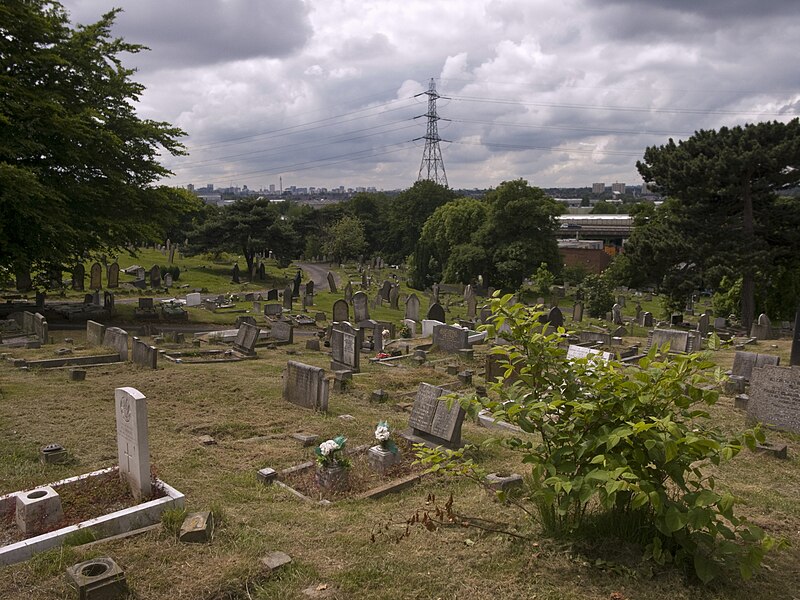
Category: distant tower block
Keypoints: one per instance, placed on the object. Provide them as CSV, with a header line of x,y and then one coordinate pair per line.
x,y
432,166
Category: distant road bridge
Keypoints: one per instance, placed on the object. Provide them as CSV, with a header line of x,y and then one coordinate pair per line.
x,y
610,228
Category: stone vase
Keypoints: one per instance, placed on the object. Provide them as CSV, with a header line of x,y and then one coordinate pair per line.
x,y
380,460
334,479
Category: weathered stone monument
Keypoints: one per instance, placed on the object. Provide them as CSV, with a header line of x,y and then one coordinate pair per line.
x,y
117,338
345,350
555,317
282,332
394,297
155,276
144,354
235,273
412,307
577,312
436,312
287,298
341,310
616,314
745,362
348,292
360,307
95,333
432,422
331,282
113,275
78,275
246,338
775,397
96,277
305,386
450,339
132,443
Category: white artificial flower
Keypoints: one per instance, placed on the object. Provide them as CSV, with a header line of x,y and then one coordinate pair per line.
x,y
327,447
382,433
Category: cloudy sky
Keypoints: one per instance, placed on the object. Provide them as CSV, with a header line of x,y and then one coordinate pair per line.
x,y
325,92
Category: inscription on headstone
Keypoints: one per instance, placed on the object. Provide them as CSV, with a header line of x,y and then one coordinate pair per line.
x,y
282,332
345,350
132,444
775,397
305,386
432,421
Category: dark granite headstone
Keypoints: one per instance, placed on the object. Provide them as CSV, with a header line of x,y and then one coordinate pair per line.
x,y
436,312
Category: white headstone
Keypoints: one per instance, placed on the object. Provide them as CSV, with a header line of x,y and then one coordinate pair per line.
x,y
132,445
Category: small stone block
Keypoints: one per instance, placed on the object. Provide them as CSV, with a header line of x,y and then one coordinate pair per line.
x,y
267,475
420,354
312,345
778,451
465,377
38,510
98,579
734,385
503,481
53,454
197,528
740,402
306,439
33,345
77,374
451,369
206,440
466,353
379,396
275,560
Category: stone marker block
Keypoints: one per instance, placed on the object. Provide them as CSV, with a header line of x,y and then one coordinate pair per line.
x,y
207,440
98,579
497,482
451,369
740,402
275,560
53,454
379,396
734,385
197,528
776,450
306,439
77,374
465,377
267,475
38,510
313,345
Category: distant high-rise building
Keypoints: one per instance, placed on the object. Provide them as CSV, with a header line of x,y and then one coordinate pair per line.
x,y
210,187
271,188
644,188
618,188
598,188
190,187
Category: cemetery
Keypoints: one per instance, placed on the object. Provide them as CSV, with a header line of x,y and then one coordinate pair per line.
x,y
238,419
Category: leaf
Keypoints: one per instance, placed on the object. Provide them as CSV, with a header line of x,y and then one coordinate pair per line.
x,y
705,567
674,519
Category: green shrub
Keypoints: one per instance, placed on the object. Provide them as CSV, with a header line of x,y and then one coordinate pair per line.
x,y
621,445
173,270
598,294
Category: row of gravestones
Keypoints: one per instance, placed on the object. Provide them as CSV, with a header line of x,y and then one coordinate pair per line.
x,y
96,277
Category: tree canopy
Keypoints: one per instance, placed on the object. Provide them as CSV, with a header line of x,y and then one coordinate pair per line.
x,y
77,165
726,217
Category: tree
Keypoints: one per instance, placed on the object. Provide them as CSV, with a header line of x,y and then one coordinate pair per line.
x,y
345,239
247,226
725,184
76,163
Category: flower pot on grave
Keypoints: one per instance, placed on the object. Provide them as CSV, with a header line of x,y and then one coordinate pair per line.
x,y
380,459
334,478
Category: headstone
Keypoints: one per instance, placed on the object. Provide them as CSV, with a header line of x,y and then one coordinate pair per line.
x,y
775,397
132,443
647,319
581,352
411,324
345,350
155,276
394,297
23,280
113,275
745,362
720,323
436,312
194,299
348,292
360,307
386,289
594,337
794,358
144,354
117,338
702,324
310,288
332,282
108,301
305,386
246,338
287,298
676,319
168,280
577,312
273,294
616,314
638,312
78,275
450,339
679,341
95,333
40,328
472,305
282,332
96,276
435,293
298,277
341,310
273,310
171,258
485,314
235,273
88,298
412,307
762,329
555,318
432,421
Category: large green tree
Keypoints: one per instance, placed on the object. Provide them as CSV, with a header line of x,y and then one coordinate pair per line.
x,y
77,165
726,215
345,239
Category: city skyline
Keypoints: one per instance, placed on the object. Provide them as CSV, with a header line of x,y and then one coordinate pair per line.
x,y
558,94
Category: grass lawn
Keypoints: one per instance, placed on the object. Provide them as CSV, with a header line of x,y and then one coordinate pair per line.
x,y
240,405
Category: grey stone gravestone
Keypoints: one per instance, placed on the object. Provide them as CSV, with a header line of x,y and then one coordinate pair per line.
x,y
273,310
305,386
450,339
594,336
702,324
171,258
432,422
341,310
133,450
78,275
745,362
287,298
386,289
246,338
117,338
108,301
113,275
272,294
679,341
262,271
310,287
95,333
168,280
360,307
193,299
282,332
143,354
235,273
647,319
394,297
775,397
485,314
720,323
345,350
155,276
472,305
412,307
23,280
576,352
577,312
555,318
96,276
436,312
331,282
348,292
762,329
616,314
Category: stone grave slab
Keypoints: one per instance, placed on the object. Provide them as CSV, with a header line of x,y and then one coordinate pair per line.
x,y
144,354
345,350
745,362
775,397
246,338
449,338
306,386
432,421
117,338
282,332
